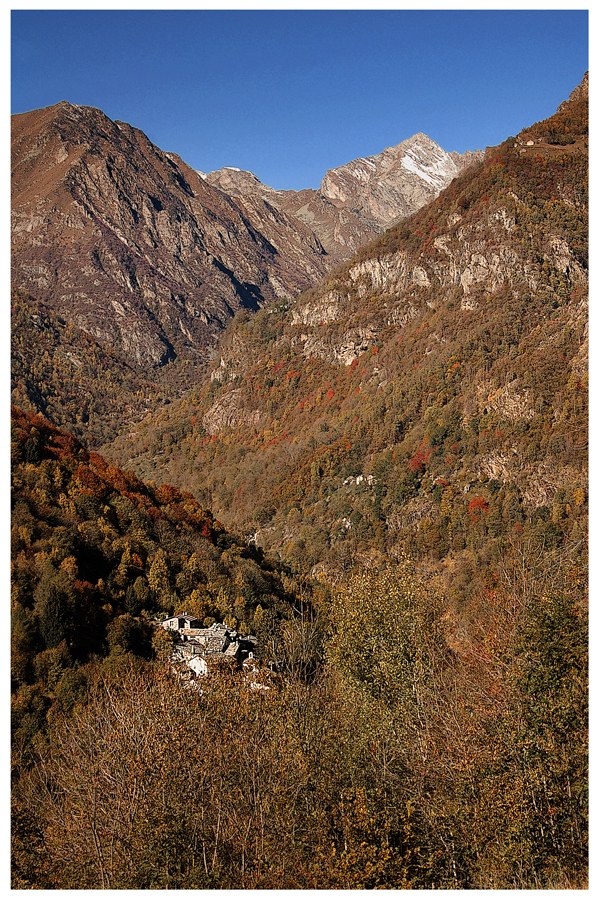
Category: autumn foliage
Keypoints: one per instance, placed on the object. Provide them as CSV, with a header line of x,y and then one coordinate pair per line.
x,y
411,556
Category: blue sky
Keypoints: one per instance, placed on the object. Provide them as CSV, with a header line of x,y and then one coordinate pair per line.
x,y
290,94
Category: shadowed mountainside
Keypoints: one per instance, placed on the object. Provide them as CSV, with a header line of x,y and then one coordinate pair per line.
x,y
131,246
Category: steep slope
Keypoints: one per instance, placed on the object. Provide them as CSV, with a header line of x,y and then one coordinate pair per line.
x,y
72,379
142,261
239,183
96,555
358,200
132,246
339,228
430,397
397,182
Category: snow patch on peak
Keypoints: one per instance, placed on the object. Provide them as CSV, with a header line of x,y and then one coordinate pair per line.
x,y
359,171
435,173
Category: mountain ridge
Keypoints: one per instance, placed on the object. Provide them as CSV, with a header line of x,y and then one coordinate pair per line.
x,y
441,354
133,248
152,260
357,201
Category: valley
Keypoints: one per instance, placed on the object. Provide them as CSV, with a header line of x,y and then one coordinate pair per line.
x,y
447,359
348,426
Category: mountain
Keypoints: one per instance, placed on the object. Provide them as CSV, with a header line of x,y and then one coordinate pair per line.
x,y
142,261
358,200
446,359
133,247
240,183
396,183
412,433
428,397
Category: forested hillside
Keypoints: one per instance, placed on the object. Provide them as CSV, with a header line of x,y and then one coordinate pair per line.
x,y
399,458
97,555
390,749
431,398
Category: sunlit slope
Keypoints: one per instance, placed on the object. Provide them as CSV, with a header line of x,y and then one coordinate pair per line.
x,y
445,364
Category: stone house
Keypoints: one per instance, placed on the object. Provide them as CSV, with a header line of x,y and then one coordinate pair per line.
x,y
199,648
179,621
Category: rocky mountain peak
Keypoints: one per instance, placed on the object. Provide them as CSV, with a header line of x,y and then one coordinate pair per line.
x,y
581,92
357,201
129,244
239,183
396,182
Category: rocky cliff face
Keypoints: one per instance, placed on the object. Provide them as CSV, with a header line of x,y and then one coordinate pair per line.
x,y
359,200
338,228
447,354
397,182
581,92
132,246
239,183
